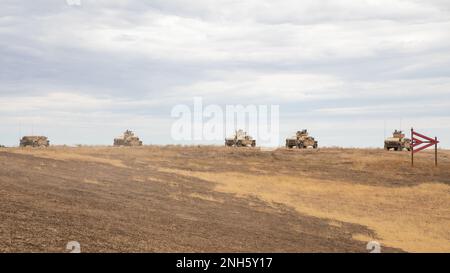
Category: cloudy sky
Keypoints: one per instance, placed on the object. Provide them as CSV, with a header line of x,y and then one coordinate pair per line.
x,y
350,71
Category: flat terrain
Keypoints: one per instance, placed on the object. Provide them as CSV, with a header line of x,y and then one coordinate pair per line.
x,y
214,199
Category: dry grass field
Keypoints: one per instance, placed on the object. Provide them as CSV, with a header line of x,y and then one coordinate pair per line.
x,y
213,199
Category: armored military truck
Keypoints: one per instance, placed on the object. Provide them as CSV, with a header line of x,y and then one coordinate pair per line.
x,y
398,142
301,140
127,139
34,141
240,139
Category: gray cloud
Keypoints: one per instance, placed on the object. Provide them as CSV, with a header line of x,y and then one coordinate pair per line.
x,y
330,65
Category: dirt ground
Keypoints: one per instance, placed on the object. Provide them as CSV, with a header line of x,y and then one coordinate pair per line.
x,y
214,199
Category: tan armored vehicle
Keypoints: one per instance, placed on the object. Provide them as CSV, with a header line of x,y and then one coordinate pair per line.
x,y
34,141
240,139
398,142
128,139
301,140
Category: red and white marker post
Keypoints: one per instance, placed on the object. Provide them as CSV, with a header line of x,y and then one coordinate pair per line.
x,y
424,142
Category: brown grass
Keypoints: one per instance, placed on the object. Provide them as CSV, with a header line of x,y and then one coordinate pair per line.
x,y
407,208
57,154
353,191
411,218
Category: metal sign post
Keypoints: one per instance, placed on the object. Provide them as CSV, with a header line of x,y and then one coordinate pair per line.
x,y
435,150
412,147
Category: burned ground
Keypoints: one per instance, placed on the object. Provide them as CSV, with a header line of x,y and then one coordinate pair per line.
x,y
211,199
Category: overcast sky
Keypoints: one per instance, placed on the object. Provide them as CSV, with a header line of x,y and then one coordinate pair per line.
x,y
350,71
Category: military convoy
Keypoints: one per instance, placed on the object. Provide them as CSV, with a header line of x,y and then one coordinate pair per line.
x,y
128,139
34,141
301,140
240,139
398,142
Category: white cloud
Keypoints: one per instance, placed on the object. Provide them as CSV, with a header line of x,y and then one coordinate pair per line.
x,y
137,59
265,87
